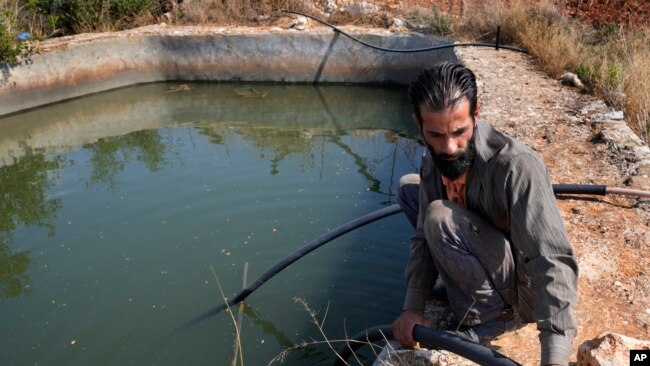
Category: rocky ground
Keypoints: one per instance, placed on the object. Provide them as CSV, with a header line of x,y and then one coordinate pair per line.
x,y
611,234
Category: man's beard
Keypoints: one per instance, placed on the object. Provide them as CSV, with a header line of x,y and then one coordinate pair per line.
x,y
453,169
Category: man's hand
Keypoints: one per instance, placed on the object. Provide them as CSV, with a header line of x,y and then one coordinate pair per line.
x,y
403,326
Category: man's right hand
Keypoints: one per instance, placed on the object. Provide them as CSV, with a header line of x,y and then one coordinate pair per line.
x,y
403,326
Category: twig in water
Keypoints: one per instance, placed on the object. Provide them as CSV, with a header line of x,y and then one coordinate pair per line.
x,y
232,318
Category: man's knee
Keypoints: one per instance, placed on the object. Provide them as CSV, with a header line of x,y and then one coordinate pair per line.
x,y
408,196
438,221
439,211
409,186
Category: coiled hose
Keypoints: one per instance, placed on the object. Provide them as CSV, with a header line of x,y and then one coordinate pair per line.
x,y
432,338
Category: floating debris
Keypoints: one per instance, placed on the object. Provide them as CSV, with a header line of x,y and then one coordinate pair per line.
x,y
250,93
177,88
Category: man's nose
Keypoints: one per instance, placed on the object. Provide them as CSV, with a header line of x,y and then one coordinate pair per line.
x,y
449,146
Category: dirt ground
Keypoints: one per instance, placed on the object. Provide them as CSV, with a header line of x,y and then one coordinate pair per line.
x,y
610,235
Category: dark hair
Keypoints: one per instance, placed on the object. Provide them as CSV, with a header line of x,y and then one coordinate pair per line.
x,y
441,86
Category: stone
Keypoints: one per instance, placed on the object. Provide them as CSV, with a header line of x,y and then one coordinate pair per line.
x,y
300,23
394,355
361,9
329,6
571,79
611,116
609,349
399,25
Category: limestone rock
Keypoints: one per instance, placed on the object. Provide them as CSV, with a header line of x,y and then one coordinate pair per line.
x,y
394,355
609,349
398,26
329,6
300,23
361,9
571,79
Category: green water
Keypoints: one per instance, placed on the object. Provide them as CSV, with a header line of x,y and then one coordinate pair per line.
x,y
120,210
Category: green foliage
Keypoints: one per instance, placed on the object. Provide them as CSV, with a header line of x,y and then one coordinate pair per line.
x,y
609,30
129,8
89,15
34,6
440,23
586,73
614,74
10,46
53,21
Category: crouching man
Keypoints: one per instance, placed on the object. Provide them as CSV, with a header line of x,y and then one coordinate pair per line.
x,y
486,222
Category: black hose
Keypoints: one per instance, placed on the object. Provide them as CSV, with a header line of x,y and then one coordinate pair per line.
x,y
367,219
597,189
306,249
431,338
413,50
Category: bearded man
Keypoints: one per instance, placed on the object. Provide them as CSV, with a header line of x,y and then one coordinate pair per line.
x,y
486,223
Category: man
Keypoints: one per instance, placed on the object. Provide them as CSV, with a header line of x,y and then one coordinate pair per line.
x,y
486,223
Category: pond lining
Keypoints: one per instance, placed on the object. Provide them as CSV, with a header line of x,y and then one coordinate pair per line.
x,y
78,65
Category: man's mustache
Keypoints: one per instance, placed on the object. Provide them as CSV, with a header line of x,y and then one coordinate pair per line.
x,y
444,156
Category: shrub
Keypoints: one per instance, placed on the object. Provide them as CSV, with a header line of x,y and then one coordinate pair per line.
x,y
614,65
10,47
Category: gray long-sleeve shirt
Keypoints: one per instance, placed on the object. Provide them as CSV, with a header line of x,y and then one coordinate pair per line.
x,y
508,185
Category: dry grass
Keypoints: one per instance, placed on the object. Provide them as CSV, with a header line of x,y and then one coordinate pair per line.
x,y
614,65
279,358
240,351
231,12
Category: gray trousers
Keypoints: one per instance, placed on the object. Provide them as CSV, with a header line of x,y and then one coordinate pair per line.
x,y
474,258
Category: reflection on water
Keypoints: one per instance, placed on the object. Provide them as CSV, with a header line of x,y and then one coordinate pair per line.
x,y
24,201
13,279
110,155
114,206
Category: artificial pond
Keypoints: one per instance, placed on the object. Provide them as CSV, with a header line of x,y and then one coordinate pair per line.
x,y
121,210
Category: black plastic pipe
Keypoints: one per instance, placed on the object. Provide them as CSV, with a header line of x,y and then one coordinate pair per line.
x,y
412,50
431,338
597,189
306,249
594,189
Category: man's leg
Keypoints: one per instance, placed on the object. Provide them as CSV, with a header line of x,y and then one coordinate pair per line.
x,y
408,197
476,264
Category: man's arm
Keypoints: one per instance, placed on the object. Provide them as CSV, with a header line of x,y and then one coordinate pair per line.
x,y
538,232
420,275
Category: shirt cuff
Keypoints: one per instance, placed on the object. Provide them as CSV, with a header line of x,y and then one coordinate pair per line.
x,y
556,348
415,300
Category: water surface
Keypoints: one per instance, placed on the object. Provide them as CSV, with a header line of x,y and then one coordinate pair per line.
x,y
121,210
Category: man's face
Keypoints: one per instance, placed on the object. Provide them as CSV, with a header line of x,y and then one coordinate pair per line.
x,y
449,136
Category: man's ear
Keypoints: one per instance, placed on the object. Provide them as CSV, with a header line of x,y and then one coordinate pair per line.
x,y
476,112
416,120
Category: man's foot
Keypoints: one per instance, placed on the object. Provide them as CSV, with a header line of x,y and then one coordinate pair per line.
x,y
485,332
